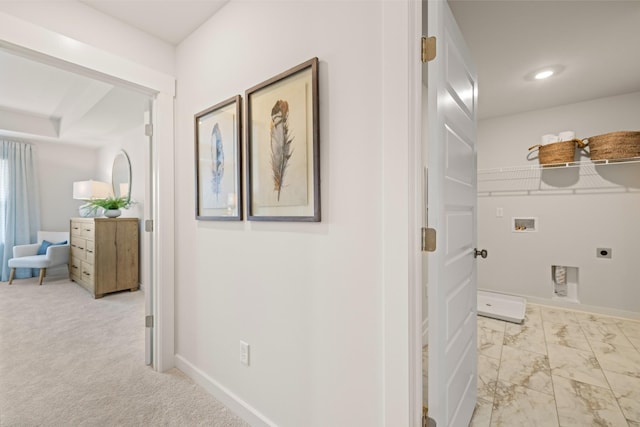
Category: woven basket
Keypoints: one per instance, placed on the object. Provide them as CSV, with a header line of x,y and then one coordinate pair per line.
x,y
557,152
614,146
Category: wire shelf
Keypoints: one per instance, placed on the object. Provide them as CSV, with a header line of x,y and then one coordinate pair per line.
x,y
573,177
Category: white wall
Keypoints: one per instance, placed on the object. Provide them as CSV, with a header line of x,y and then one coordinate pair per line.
x,y
306,297
59,165
578,210
86,24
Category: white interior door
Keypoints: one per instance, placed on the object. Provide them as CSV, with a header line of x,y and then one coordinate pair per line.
x,y
451,162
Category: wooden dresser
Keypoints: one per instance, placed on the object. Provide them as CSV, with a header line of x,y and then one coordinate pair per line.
x,y
104,254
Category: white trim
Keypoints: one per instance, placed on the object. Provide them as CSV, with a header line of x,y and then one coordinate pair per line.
x,y
416,288
37,43
30,40
163,241
575,306
223,394
401,385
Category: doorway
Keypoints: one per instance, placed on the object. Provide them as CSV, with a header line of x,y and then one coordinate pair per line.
x,y
157,263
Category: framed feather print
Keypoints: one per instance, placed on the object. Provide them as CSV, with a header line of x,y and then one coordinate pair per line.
x,y
282,146
218,162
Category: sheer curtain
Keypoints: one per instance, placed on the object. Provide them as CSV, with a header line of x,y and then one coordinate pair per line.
x,y
19,201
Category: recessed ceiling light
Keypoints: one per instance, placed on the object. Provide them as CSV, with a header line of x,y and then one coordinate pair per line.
x,y
544,73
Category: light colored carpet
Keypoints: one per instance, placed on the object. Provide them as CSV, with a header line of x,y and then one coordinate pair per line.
x,y
69,360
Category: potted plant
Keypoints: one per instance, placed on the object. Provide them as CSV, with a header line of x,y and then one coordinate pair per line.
x,y
111,205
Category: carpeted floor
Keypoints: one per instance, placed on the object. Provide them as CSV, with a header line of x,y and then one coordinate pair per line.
x,y
69,360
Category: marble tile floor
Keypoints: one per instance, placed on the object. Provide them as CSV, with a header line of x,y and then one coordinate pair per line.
x,y
559,368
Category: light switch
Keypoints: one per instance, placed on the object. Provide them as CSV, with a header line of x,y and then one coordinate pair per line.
x,y
244,353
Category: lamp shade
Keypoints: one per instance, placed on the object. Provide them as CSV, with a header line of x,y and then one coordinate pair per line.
x,y
88,190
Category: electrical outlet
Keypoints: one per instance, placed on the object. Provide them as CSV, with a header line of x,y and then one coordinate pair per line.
x,y
244,353
499,212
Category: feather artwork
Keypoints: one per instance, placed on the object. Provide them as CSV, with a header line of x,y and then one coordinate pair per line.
x,y
217,160
280,143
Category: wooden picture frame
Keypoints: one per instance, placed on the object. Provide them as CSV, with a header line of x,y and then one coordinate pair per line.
x,y
218,161
283,146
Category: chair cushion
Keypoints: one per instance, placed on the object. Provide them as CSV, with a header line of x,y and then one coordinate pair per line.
x,y
35,261
42,250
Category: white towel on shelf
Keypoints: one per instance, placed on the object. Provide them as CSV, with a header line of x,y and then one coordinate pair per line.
x,y
567,135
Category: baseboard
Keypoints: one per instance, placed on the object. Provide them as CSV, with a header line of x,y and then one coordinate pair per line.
x,y
576,306
224,395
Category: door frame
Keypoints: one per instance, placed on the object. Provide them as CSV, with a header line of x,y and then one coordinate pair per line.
x,y
401,269
34,42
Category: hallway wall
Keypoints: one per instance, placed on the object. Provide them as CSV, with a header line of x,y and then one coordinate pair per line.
x,y
307,297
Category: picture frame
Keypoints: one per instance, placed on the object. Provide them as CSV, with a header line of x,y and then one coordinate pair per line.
x,y
283,146
218,161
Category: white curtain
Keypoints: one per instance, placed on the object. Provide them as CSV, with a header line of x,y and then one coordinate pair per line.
x,y
19,201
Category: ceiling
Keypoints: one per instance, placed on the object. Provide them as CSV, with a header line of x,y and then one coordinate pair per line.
x,y
595,41
42,102
171,21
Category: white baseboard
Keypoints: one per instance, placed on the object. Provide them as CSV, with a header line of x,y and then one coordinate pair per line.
x,y
559,302
224,395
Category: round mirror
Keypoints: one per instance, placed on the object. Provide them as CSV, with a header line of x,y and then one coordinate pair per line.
x,y
121,175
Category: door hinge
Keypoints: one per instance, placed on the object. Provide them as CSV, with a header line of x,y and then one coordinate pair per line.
x,y
148,129
148,321
426,421
428,239
148,225
428,49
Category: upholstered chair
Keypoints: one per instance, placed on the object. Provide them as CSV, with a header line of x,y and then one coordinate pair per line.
x,y
52,250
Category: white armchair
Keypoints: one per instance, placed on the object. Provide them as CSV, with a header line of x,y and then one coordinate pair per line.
x,y
26,256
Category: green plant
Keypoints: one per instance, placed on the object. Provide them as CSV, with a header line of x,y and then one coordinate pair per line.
x,y
109,203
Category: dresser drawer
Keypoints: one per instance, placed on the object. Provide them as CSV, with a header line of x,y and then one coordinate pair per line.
x,y
87,272
87,230
75,268
90,251
78,247
76,228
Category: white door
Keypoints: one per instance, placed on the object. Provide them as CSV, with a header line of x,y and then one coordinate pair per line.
x,y
451,162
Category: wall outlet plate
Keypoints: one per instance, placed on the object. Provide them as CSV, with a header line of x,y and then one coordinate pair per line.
x,y
244,353
603,253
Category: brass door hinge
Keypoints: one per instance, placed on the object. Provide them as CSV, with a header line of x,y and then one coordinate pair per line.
x,y
428,239
428,49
